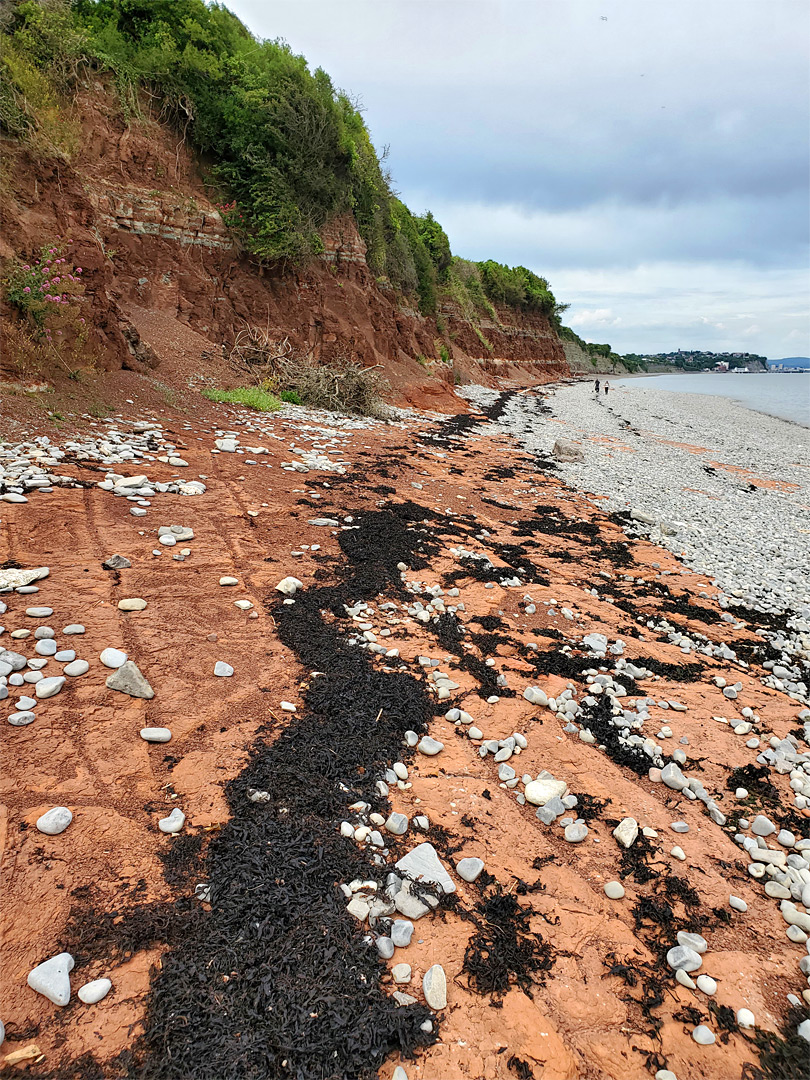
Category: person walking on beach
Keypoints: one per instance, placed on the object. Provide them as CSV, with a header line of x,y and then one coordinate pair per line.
x,y
596,388
607,387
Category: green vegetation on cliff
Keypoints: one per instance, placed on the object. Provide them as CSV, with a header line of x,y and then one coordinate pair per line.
x,y
289,151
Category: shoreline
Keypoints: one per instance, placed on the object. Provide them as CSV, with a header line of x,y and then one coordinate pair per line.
x,y
730,497
763,411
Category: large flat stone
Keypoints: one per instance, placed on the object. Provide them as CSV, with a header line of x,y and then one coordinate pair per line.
x,y
128,680
423,864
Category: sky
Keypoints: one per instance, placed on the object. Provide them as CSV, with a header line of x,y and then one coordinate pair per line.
x,y
651,159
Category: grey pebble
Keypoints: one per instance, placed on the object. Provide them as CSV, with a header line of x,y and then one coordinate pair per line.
x,y
385,947
401,932
156,734
397,824
54,821
469,869
682,958
575,833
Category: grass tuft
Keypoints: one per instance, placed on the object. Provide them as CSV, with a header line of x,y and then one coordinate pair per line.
x,y
251,396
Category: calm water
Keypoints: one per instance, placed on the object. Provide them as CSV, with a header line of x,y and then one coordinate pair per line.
x,y
786,396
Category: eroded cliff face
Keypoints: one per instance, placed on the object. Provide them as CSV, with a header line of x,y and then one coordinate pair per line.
x,y
152,244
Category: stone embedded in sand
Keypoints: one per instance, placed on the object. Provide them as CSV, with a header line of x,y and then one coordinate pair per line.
x,y
706,984
74,628
673,777
682,958
401,973
222,669
289,586
413,907
116,562
794,917
565,450
626,832
113,658
91,993
575,833
703,1036
39,612
762,826
597,643
54,821
129,680
172,824
430,747
737,904
397,824
745,1018
536,696
469,869
385,947
76,667
16,661
550,811
692,941
46,688
11,578
399,1072
156,734
52,978
229,581
665,1074
22,718
682,978
423,864
401,932
614,890
132,603
538,792
434,985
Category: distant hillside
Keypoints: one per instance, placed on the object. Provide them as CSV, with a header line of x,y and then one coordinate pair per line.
x,y
791,361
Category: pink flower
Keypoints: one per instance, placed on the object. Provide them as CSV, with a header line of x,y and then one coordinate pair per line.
x,y
56,280
51,251
78,269
59,332
26,267
81,321
26,289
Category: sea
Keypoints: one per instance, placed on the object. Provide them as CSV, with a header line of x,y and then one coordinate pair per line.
x,y
784,395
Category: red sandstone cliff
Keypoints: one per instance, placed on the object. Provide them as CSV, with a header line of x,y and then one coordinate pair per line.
x,y
158,261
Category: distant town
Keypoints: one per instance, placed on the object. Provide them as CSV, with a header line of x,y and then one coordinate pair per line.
x,y
694,360
704,360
